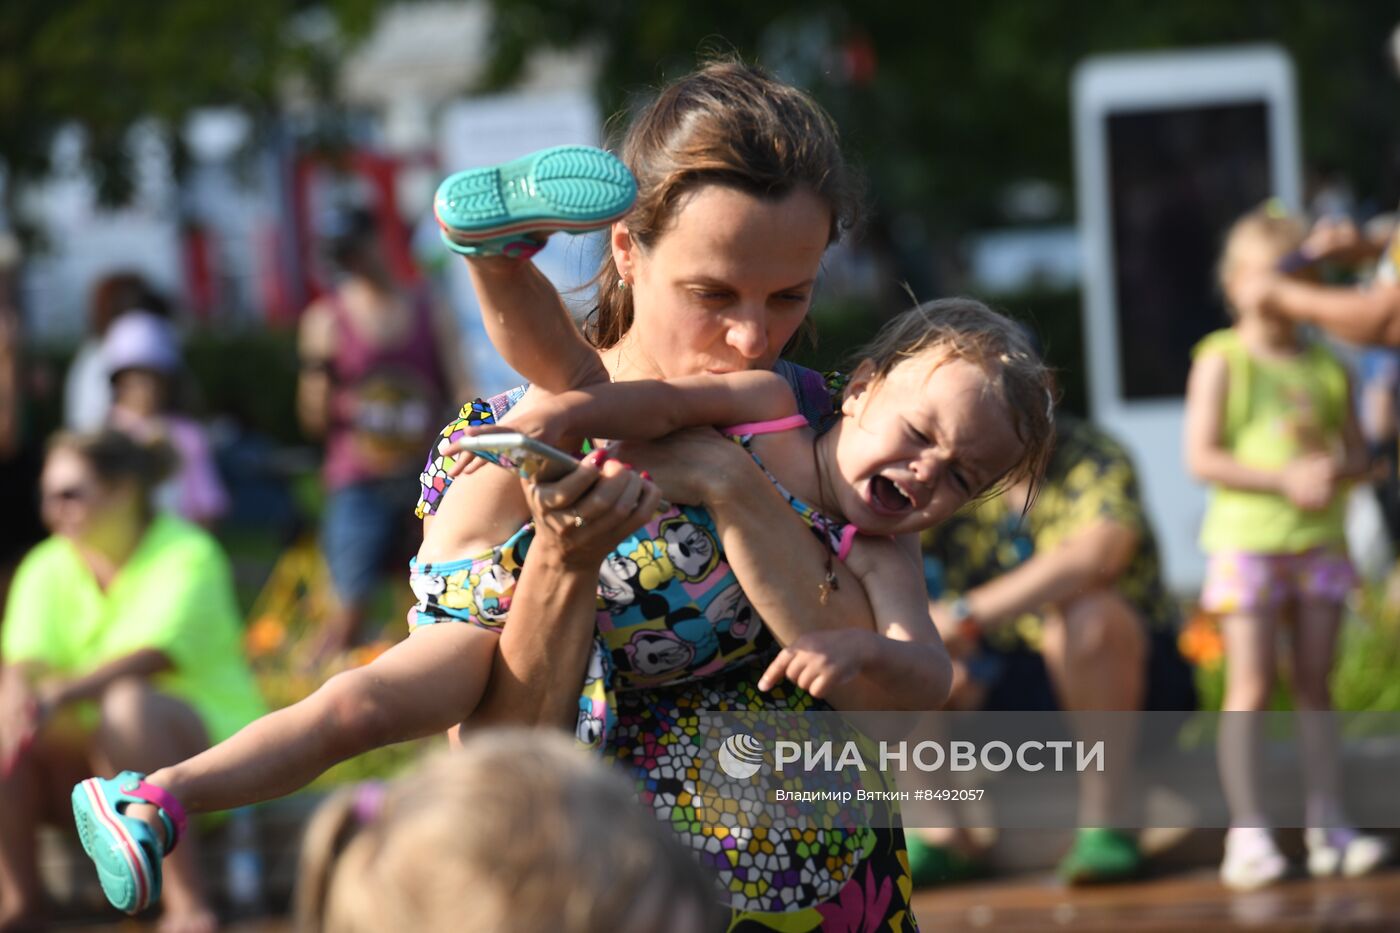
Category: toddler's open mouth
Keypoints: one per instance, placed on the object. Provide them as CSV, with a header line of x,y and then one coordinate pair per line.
x,y
886,497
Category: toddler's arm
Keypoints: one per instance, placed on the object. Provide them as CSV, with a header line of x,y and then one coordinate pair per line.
x,y
530,328
647,409
902,665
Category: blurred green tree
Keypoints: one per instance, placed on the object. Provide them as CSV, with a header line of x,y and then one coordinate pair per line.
x,y
950,106
947,104
105,65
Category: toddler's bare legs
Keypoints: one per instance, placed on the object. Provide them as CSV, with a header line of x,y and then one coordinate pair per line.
x,y
424,684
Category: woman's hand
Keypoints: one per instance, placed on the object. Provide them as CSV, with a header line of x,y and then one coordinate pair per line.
x,y
1333,238
583,516
544,653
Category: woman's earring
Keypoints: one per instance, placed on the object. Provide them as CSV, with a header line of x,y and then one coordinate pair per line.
x,y
622,285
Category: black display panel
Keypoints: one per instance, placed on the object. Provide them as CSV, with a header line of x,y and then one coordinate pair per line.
x,y
1177,178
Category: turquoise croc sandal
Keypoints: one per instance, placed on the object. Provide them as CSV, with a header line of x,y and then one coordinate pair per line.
x,y
507,210
124,849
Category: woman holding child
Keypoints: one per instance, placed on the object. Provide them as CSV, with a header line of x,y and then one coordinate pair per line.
x,y
740,190
756,594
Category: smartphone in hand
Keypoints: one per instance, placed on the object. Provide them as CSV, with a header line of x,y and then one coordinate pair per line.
x,y
531,459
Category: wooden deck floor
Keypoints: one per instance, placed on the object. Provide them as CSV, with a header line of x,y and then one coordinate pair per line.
x,y
1190,901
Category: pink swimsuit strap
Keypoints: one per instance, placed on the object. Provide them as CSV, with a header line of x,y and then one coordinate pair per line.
x,y
766,427
848,533
848,538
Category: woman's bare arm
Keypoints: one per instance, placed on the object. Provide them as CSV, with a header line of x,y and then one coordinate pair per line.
x,y
316,348
543,652
1360,315
146,662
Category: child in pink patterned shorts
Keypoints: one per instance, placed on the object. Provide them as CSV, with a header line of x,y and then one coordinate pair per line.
x,y
1269,425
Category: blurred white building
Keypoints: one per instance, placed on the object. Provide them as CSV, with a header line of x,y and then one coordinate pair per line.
x,y
410,85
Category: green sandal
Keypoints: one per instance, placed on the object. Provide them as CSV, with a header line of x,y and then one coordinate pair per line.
x,y
124,849
933,865
1101,856
507,210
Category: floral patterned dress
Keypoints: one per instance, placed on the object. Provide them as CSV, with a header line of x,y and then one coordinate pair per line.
x,y
676,636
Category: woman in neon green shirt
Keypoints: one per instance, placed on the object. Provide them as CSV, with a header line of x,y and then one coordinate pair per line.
x,y
120,649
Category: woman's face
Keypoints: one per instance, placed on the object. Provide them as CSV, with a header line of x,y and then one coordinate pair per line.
x,y
68,493
726,284
77,505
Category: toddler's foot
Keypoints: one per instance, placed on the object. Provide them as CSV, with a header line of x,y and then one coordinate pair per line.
x,y
1251,859
1344,852
508,210
126,850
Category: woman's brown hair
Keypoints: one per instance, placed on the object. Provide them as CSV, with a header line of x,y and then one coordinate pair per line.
x,y
116,457
728,124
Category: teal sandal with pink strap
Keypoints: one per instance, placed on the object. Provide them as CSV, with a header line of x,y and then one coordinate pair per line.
x,y
125,850
509,209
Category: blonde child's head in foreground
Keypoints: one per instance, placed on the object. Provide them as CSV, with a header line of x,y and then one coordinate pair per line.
x,y
516,832
1254,244
949,401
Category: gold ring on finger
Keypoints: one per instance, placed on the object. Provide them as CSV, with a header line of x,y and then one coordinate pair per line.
x,y
578,519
